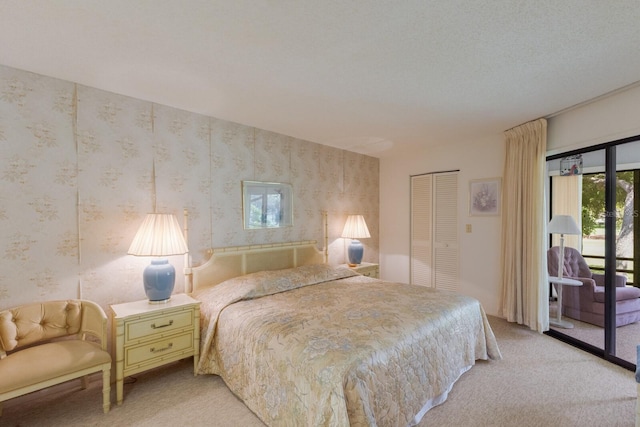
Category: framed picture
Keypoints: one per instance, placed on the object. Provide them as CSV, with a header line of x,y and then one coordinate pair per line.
x,y
571,165
267,205
484,197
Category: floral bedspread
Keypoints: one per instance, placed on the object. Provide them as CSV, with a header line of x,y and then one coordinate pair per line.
x,y
322,346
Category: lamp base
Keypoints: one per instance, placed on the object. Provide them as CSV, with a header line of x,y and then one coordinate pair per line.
x,y
355,253
159,279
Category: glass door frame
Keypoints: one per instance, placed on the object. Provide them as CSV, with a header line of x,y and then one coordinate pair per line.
x,y
609,348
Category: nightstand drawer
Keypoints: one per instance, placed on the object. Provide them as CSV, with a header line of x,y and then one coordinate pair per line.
x,y
369,271
161,324
161,349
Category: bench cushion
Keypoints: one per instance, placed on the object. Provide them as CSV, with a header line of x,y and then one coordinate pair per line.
x,y
46,361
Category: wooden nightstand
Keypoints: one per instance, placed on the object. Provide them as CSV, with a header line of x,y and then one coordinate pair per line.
x,y
366,269
151,335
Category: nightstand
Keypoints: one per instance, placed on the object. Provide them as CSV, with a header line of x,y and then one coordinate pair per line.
x,y
150,335
366,269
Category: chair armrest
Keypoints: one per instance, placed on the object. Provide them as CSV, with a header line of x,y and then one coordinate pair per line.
x,y
94,322
620,280
579,296
589,284
599,278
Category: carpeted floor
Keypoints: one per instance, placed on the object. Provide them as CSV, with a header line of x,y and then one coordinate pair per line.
x,y
627,337
540,382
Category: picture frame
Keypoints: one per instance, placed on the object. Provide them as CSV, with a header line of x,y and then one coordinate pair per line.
x,y
485,197
571,165
266,205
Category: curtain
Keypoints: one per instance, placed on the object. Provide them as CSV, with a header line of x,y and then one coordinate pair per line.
x,y
525,291
567,200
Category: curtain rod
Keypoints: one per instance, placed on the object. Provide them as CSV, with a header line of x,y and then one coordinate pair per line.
x,y
583,103
597,98
431,173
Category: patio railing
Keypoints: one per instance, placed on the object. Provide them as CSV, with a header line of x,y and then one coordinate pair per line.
x,y
599,267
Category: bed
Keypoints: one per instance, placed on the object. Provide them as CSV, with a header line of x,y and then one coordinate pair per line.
x,y
304,343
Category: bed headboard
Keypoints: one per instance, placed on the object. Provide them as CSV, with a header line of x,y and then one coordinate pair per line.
x,y
234,261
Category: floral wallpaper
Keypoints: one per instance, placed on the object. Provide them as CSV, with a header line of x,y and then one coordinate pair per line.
x,y
80,168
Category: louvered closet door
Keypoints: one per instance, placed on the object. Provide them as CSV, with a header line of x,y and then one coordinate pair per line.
x,y
445,242
434,230
421,230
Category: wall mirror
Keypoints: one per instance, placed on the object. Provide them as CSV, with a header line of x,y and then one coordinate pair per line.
x,y
266,205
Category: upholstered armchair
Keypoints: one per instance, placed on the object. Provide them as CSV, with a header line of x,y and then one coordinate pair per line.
x,y
37,348
586,302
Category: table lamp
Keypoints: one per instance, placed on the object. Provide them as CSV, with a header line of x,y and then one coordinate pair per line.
x,y
159,236
355,228
562,224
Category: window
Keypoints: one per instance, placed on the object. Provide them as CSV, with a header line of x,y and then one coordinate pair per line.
x,y
267,205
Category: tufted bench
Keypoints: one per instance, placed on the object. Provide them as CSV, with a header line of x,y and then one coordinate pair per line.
x,y
31,358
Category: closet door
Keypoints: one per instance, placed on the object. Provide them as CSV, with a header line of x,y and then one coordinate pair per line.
x,y
445,236
421,230
434,230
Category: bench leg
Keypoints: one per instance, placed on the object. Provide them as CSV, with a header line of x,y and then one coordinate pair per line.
x,y
106,389
85,382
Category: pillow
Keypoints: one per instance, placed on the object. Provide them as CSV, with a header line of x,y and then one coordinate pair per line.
x,y
263,283
271,282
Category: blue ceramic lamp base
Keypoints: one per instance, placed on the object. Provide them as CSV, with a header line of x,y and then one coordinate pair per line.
x,y
355,253
159,279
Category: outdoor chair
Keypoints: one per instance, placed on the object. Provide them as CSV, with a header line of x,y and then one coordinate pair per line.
x,y
586,302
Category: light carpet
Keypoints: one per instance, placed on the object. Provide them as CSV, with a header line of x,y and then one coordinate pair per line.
x,y
540,382
627,336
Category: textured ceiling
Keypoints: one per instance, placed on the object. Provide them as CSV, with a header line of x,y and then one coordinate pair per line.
x,y
370,76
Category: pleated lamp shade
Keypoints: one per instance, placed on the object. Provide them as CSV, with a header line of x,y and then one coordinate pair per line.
x,y
159,235
355,228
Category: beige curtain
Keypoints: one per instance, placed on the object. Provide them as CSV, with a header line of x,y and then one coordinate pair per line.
x,y
567,200
525,292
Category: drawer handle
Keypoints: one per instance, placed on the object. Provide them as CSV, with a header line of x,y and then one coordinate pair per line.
x,y
153,325
160,350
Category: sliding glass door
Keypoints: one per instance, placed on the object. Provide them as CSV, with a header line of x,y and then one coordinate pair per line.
x,y
600,308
